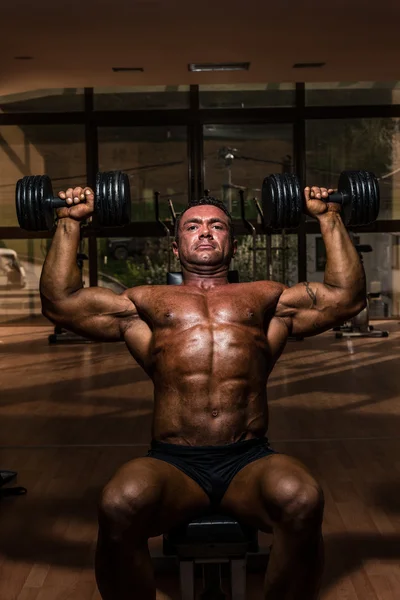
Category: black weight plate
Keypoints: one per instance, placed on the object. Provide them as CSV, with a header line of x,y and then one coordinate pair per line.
x,y
282,201
46,196
294,201
125,196
32,203
361,206
20,203
41,195
100,198
346,186
270,202
112,203
372,199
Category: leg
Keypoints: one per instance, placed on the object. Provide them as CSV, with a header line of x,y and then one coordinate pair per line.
x,y
145,498
278,490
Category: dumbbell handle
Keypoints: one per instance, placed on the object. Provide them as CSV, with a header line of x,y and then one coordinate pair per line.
x,y
59,203
337,197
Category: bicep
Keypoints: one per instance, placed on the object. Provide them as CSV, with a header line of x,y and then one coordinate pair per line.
x,y
311,308
96,313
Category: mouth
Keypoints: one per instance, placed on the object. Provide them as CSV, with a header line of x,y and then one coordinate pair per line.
x,y
204,246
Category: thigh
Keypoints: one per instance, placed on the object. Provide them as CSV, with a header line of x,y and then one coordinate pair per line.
x,y
156,493
258,493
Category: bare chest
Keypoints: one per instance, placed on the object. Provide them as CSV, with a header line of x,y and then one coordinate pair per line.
x,y
193,309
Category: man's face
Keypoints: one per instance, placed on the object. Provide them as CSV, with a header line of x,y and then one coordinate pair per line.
x,y
204,238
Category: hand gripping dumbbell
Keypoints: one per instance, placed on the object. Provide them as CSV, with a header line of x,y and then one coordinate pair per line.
x,y
35,201
283,199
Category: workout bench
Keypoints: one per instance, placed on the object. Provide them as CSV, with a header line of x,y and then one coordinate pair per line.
x,y
211,541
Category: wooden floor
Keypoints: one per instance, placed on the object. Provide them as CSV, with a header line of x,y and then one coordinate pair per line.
x,y
71,414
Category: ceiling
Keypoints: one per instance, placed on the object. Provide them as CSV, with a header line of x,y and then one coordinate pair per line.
x,y
77,43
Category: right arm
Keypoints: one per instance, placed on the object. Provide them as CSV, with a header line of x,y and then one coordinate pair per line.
x,y
95,312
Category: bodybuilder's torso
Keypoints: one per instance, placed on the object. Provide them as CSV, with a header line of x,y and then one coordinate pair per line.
x,y
209,354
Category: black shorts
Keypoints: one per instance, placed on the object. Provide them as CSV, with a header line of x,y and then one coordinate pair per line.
x,y
212,467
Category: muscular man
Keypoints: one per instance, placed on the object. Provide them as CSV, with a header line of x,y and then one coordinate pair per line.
x,y
208,347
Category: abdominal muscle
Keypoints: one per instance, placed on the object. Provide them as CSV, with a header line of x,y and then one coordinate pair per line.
x,y
210,384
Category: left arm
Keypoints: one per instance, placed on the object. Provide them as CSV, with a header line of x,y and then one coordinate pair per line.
x,y
310,308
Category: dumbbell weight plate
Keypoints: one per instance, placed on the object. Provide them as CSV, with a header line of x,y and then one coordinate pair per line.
x,y
282,201
34,213
362,205
112,199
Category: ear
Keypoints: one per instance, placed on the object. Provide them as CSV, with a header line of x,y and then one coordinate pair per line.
x,y
234,247
175,249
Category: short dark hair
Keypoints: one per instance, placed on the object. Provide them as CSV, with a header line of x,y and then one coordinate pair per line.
x,y
205,201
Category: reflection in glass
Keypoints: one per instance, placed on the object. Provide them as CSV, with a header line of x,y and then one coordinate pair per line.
x,y
21,263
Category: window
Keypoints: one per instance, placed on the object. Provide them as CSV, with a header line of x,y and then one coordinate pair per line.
x,y
154,158
141,97
42,101
335,145
338,93
247,96
239,157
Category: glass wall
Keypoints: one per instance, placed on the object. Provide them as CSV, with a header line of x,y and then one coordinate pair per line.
x,y
335,145
238,157
247,96
155,158
42,101
240,148
128,262
55,150
356,93
271,257
141,97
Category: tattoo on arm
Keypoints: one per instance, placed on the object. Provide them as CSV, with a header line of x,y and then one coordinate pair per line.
x,y
309,291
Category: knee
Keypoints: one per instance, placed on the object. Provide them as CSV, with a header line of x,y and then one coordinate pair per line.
x,y
125,507
299,504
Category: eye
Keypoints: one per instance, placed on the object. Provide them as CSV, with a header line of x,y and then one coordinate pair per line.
x,y
191,227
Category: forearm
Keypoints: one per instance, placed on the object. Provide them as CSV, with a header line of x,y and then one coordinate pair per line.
x,y
344,270
61,275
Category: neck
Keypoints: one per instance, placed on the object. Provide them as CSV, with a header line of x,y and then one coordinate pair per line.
x,y
205,280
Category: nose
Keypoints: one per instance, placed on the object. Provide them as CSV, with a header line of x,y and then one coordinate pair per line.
x,y
205,233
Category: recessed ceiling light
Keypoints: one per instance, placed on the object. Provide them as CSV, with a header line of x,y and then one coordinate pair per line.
x,y
121,69
199,67
23,57
311,65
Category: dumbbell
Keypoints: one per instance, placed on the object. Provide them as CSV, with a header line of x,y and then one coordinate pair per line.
x,y
35,201
283,199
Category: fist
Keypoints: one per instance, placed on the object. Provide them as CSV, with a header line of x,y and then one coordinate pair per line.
x,y
316,202
80,203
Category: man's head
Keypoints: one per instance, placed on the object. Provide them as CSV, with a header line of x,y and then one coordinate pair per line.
x,y
204,239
